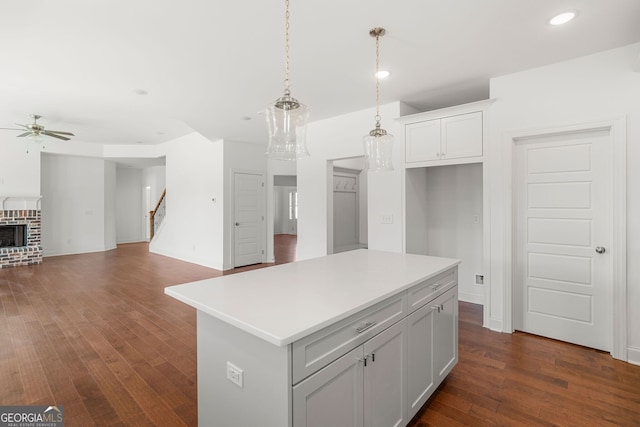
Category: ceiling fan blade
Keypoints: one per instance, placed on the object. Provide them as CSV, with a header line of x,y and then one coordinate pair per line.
x,y
60,132
10,129
23,134
24,126
64,138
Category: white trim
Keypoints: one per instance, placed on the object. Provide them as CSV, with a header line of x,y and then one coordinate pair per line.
x,y
494,324
619,292
619,244
472,298
634,355
16,203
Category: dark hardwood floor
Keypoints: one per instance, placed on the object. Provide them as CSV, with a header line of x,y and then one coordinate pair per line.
x,y
96,334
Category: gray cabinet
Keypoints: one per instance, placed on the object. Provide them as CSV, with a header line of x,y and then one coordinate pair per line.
x,y
394,360
365,387
432,335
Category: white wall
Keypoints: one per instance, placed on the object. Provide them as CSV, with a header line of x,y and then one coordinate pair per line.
x,y
341,137
19,166
129,206
110,217
591,88
75,218
156,178
192,229
453,197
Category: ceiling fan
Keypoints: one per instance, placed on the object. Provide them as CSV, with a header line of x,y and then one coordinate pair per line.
x,y
35,129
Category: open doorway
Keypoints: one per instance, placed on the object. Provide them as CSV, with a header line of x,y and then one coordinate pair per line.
x,y
348,222
285,218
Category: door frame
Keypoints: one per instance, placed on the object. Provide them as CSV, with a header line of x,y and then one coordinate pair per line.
x,y
618,301
232,214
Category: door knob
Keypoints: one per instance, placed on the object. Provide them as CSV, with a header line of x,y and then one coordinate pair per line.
x,y
237,224
600,249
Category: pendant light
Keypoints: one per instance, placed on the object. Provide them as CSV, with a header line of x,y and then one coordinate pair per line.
x,y
287,117
378,143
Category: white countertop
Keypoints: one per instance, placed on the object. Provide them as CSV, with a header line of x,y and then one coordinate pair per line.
x,y
284,303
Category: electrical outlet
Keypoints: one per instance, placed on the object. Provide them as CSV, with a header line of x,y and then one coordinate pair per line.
x,y
476,219
387,218
235,374
479,279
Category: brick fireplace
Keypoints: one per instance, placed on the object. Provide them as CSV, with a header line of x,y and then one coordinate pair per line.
x,y
23,251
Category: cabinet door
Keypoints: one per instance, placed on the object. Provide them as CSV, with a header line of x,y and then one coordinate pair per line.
x,y
422,141
333,396
420,373
445,344
385,378
462,136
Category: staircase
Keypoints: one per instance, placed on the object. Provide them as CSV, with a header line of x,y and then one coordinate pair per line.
x,y
156,216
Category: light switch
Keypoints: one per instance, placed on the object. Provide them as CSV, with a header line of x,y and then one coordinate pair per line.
x,y
387,218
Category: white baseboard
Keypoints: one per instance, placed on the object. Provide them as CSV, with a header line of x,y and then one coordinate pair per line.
x,y
494,325
75,251
474,299
633,355
195,260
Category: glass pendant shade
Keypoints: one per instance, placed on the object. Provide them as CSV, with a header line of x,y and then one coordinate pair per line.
x,y
378,144
378,149
287,123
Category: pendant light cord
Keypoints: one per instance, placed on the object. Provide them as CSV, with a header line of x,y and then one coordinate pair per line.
x,y
377,80
286,49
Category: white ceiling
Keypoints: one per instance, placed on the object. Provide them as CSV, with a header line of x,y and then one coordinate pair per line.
x,y
206,64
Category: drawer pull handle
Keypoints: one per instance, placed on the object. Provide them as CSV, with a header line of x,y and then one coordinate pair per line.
x,y
368,325
435,286
437,307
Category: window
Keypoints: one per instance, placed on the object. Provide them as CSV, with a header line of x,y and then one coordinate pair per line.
x,y
293,205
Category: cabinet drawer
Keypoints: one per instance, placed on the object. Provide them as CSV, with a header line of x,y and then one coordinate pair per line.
x,y
426,291
321,348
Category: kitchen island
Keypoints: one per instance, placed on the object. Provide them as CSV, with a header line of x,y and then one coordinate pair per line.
x,y
356,338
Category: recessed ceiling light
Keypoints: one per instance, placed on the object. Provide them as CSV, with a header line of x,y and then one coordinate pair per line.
x,y
247,118
140,92
562,18
383,74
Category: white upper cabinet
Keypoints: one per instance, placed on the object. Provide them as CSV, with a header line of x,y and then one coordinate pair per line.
x,y
423,141
448,138
444,137
461,136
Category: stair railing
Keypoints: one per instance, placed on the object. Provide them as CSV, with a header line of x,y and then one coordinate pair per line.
x,y
157,215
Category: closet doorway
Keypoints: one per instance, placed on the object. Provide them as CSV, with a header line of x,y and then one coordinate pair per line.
x,y
348,224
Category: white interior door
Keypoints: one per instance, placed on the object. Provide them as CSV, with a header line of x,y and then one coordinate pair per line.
x,y
562,194
248,219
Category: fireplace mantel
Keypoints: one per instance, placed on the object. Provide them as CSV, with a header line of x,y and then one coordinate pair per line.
x,y
10,203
